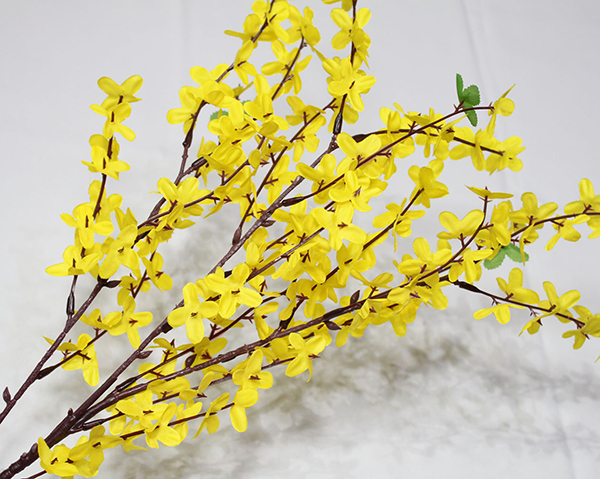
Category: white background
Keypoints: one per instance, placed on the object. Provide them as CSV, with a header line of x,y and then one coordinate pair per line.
x,y
455,397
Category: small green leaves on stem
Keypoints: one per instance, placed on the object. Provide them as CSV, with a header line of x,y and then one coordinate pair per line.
x,y
468,98
510,250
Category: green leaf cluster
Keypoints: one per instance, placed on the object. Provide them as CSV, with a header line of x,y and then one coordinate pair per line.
x,y
510,250
469,98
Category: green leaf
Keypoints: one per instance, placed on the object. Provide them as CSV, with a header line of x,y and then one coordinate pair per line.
x,y
471,95
493,263
510,250
471,115
459,85
514,253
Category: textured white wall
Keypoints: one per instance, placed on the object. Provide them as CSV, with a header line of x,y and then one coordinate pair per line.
x,y
455,397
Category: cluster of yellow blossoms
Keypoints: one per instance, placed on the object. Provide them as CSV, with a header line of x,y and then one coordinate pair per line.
x,y
304,236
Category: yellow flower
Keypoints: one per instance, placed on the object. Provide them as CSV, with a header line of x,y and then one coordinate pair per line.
x,y
566,231
274,12
242,65
471,145
243,399
358,190
503,106
438,138
302,112
323,175
192,313
514,288
123,93
339,225
302,26
304,352
588,200
396,127
56,461
119,252
212,89
308,139
357,151
86,225
401,223
532,327
426,179
280,176
282,66
425,262
184,412
161,431
129,285
102,162
248,375
190,103
114,117
154,270
531,212
469,263
178,196
461,229
559,304
578,335
235,128
526,218
499,230
211,420
351,29
77,260
128,321
142,408
591,321
501,311
350,259
107,204
514,291
509,150
231,289
261,109
83,357
93,447
347,79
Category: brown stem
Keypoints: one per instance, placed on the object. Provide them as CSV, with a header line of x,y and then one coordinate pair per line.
x,y
35,374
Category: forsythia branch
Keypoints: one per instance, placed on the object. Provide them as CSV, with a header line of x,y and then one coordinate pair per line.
x,y
304,206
